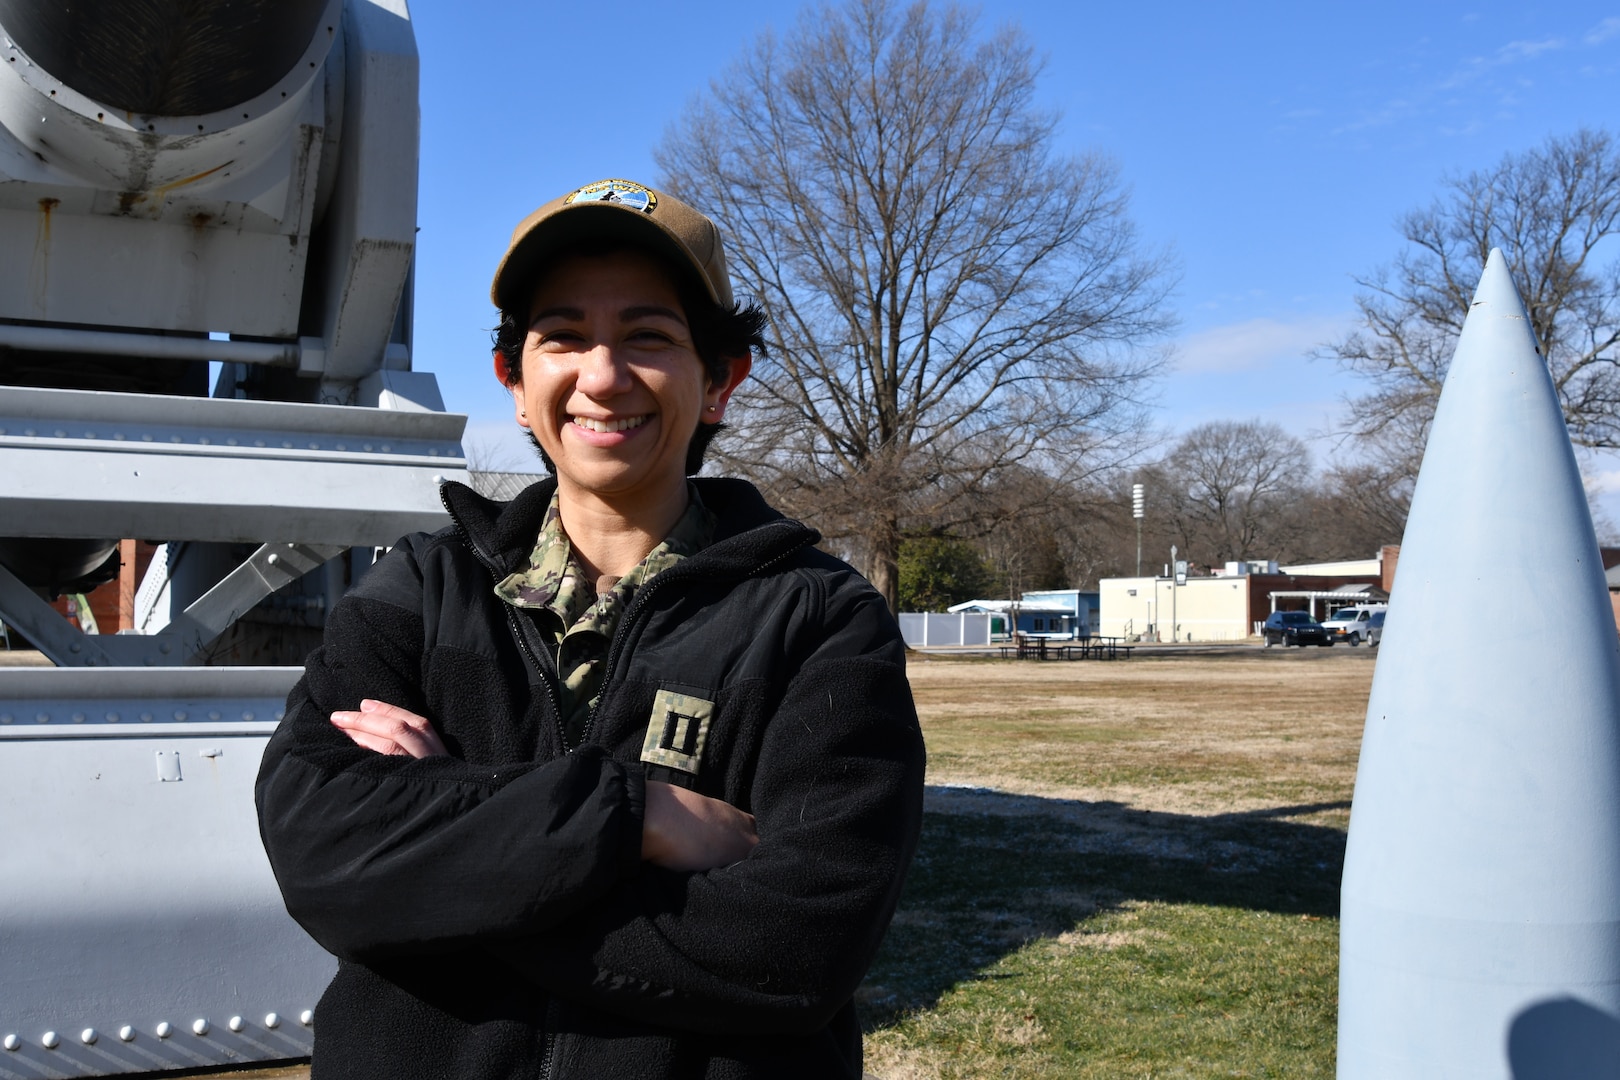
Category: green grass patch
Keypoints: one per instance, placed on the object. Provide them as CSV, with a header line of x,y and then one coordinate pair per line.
x,y
1186,926
1052,938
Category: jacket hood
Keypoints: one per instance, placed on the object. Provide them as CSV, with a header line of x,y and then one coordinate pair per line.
x,y
749,531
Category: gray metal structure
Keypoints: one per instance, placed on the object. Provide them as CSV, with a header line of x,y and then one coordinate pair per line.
x,y
181,186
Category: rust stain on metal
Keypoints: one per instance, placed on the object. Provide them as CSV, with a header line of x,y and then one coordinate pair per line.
x,y
40,271
127,200
201,220
46,205
162,192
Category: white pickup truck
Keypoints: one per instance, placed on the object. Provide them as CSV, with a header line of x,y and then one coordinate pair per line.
x,y
1353,625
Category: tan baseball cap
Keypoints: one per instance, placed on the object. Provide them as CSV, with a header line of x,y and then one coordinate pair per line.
x,y
613,209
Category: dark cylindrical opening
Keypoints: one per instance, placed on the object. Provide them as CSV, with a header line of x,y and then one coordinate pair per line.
x,y
165,57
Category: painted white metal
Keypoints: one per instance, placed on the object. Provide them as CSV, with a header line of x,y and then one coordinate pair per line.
x,y
221,469
1481,898
181,223
131,903
371,220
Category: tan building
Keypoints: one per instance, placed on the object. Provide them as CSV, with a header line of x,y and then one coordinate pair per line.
x,y
1228,606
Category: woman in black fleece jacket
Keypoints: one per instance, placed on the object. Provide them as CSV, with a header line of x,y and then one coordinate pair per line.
x,y
620,779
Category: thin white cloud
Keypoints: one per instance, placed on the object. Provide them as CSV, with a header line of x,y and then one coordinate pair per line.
x,y
1255,344
1603,31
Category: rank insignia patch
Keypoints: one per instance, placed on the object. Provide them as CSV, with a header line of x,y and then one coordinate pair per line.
x,y
677,730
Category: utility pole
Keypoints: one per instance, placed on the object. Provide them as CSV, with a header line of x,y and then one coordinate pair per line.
x,y
1137,501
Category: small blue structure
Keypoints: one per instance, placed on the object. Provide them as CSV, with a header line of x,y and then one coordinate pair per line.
x,y
1055,614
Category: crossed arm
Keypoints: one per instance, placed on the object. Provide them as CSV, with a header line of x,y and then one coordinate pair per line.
x,y
681,829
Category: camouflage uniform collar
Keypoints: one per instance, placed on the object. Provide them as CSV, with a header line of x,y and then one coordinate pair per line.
x,y
553,577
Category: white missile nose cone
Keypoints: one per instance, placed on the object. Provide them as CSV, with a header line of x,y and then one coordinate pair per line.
x,y
1495,291
1482,875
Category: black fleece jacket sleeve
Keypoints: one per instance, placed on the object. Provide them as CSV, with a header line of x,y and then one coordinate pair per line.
x,y
378,856
779,941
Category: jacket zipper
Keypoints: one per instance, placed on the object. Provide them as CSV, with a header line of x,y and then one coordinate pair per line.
x,y
549,1054
622,631
512,624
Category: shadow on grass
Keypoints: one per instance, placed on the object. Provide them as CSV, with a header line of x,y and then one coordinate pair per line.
x,y
995,871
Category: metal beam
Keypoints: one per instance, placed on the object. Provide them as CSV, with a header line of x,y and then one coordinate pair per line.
x,y
62,642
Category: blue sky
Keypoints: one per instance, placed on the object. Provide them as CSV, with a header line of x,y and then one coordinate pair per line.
x,y
1271,147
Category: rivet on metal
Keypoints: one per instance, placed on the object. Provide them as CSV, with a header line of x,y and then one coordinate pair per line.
x,y
213,714
211,752
164,1029
42,718
11,1042
199,1026
88,1036
126,1033
235,1023
76,647
272,558
78,718
164,647
112,718
247,714
50,1040
179,714
5,718
306,1018
272,1020
146,718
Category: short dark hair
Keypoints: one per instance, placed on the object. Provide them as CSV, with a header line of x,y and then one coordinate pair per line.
x,y
719,335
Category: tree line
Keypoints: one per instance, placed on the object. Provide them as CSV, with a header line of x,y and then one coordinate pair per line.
x,y
1225,491
965,325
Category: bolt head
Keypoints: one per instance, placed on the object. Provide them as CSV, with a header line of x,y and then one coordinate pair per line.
x,y
165,1029
199,1026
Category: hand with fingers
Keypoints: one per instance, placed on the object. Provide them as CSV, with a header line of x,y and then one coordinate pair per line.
x,y
389,729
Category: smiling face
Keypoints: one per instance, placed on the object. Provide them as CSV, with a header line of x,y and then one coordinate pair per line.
x,y
612,386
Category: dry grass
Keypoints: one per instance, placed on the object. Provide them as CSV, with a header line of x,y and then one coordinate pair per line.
x,y
1180,734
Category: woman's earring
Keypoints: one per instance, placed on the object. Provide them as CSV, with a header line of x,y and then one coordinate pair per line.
x,y
711,408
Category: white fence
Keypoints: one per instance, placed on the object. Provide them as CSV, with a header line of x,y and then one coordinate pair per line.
x,y
927,629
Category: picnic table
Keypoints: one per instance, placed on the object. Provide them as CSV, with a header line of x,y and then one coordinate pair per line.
x,y
1094,647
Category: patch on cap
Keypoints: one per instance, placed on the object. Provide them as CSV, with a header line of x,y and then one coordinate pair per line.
x,y
627,194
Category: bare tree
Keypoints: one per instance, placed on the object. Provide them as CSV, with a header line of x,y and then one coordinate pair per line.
x,y
1234,489
948,297
1550,211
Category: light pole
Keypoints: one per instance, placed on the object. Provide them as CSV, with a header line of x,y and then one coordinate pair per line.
x,y
1173,577
1136,512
